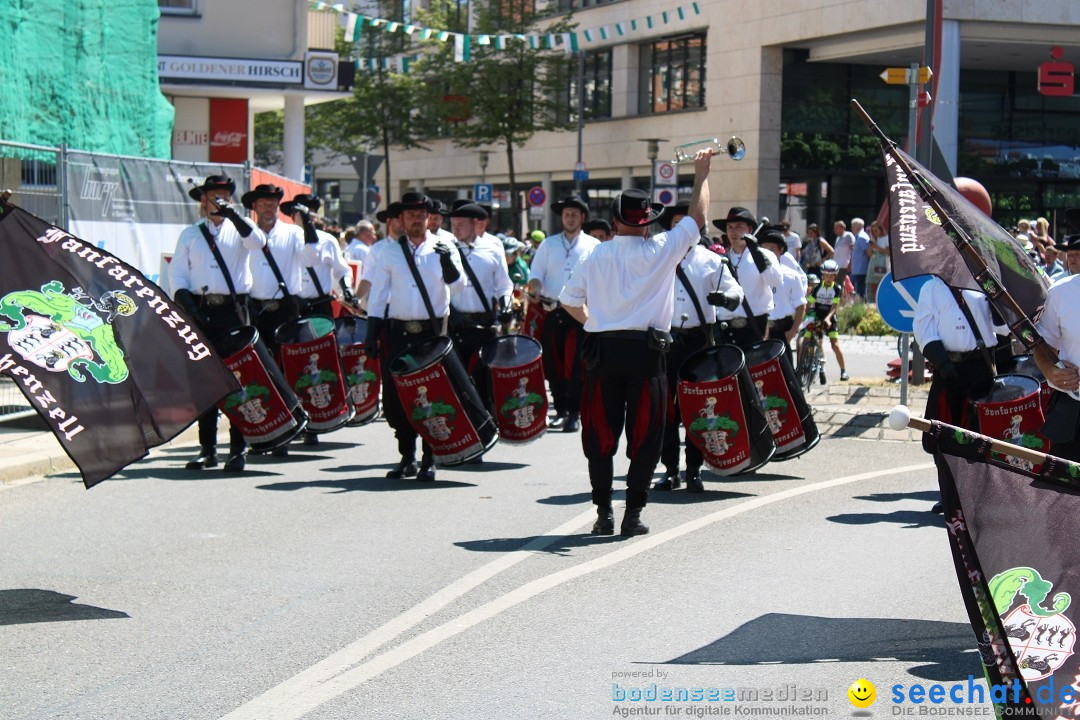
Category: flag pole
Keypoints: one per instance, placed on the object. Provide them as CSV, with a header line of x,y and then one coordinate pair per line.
x,y
1023,328
901,418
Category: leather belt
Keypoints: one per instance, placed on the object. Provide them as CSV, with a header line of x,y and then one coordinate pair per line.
x,y
736,322
411,327
964,356
213,299
777,321
267,305
695,330
548,304
480,318
623,335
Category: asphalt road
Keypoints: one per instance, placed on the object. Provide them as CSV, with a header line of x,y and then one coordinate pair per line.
x,y
313,587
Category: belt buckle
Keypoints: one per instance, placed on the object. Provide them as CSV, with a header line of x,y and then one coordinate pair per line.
x,y
548,305
215,300
413,327
270,305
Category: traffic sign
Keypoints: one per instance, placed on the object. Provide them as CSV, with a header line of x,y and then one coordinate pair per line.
x,y
897,301
537,196
536,212
664,196
579,166
482,192
665,174
581,175
905,76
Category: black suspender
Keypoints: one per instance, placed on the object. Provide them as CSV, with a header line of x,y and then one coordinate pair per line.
x,y
476,284
705,327
436,324
980,343
224,271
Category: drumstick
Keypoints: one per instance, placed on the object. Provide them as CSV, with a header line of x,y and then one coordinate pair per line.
x,y
901,418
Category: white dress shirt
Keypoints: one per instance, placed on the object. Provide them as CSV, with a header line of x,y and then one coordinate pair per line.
x,y
555,260
357,250
627,281
194,268
939,317
489,266
757,286
286,244
706,272
787,260
394,289
791,294
329,267
1060,323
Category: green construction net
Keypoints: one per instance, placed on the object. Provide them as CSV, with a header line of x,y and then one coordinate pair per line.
x,y
84,73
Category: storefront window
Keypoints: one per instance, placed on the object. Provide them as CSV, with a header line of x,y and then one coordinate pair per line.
x,y
673,74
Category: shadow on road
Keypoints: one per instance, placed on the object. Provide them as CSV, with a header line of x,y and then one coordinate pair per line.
x,y
372,484
681,497
945,650
910,519
708,477
930,496
575,499
561,546
486,467
19,607
174,473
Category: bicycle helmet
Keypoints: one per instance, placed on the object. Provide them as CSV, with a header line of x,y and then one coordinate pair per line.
x,y
812,280
829,267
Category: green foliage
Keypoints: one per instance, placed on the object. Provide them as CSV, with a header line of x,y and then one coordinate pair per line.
x,y
269,137
872,324
849,316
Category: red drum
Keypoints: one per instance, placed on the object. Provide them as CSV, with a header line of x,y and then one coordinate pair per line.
x,y
533,324
442,403
790,419
518,393
312,366
1025,365
265,410
1008,407
362,374
722,412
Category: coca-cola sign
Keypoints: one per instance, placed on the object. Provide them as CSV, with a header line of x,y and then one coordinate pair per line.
x,y
233,139
228,130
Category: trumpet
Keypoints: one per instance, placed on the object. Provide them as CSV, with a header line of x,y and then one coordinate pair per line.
x,y
735,149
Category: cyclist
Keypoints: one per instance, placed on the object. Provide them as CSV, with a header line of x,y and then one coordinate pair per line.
x,y
824,301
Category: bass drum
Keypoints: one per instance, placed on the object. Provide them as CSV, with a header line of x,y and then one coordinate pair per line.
x,y
518,392
312,366
265,409
441,402
721,410
363,376
789,416
1009,408
1025,365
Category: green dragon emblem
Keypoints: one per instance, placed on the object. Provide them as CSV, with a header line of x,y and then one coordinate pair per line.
x,y
1005,586
65,331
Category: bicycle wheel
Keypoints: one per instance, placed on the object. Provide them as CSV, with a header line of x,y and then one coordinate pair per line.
x,y
805,372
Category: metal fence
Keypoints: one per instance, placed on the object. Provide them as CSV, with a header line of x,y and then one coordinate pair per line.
x,y
33,174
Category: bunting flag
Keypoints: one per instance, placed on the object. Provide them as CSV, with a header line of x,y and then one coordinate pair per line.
x,y
604,30
920,244
462,48
102,354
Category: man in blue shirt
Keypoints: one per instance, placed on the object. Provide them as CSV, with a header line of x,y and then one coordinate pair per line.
x,y
860,257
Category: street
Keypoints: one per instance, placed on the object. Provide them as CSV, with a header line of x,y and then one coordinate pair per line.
x,y
313,587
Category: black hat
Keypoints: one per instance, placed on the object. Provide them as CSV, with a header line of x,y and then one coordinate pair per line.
x,y
671,211
598,224
460,203
261,191
212,182
772,234
570,202
437,207
736,214
311,202
415,201
633,209
393,210
1072,242
471,211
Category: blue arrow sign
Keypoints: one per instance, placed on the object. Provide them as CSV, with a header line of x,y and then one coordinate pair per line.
x,y
896,301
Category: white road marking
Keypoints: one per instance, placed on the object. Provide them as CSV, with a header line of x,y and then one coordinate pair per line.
x,y
337,675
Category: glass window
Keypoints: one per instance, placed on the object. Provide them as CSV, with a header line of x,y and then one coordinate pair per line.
x,y
673,74
566,6
178,7
597,84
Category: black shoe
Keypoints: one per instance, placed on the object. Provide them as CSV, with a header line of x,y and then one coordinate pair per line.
x,y
605,521
573,423
311,439
631,523
282,451
843,375
938,508
236,462
404,469
821,377
427,472
693,481
207,459
557,421
670,482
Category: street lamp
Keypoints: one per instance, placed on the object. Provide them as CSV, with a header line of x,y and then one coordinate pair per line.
x,y
483,166
652,151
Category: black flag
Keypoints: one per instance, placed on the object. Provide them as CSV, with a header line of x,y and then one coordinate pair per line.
x,y
1013,537
921,246
100,352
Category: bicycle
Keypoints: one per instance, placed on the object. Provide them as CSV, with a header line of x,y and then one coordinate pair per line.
x,y
811,357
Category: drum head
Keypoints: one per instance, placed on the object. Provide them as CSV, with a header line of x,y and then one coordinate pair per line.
x,y
1004,388
1025,365
350,330
762,352
236,340
421,356
303,330
712,364
510,351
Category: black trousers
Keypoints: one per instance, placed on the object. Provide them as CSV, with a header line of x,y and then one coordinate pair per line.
x,y
468,339
625,385
395,341
745,336
562,339
268,321
948,402
215,321
778,330
684,345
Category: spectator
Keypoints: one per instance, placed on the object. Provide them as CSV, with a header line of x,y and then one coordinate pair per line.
x,y
843,249
794,243
815,250
879,260
860,257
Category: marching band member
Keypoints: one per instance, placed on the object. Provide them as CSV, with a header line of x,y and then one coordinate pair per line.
x,y
210,274
757,272
789,300
623,295
398,303
561,338
317,283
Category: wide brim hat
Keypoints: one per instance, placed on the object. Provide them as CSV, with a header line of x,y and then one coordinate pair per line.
x,y
437,207
1071,242
311,202
259,192
212,182
736,214
671,211
415,201
633,209
598,224
471,211
772,234
393,210
570,202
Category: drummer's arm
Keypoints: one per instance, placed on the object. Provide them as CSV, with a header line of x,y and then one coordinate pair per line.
x,y
581,314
